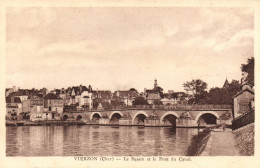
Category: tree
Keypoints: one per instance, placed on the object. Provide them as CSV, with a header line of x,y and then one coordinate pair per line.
x,y
216,96
223,95
96,103
161,95
133,90
248,73
196,89
157,102
139,101
234,87
117,102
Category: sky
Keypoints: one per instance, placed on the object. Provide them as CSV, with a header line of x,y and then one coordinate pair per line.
x,y
122,48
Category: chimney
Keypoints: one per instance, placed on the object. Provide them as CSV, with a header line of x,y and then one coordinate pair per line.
x,y
80,88
12,99
90,88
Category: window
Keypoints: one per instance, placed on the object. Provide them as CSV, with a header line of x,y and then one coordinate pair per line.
x,y
38,115
49,108
243,108
243,105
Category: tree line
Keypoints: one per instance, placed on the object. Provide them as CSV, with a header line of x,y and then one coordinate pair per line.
x,y
196,88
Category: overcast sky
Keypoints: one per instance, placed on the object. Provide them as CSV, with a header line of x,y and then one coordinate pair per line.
x,y
120,48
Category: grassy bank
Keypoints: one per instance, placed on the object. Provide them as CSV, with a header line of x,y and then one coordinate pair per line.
x,y
198,143
245,139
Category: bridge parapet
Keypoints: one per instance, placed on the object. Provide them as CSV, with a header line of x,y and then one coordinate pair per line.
x,y
151,117
164,107
184,107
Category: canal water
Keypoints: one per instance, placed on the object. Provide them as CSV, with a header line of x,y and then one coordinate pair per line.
x,y
96,141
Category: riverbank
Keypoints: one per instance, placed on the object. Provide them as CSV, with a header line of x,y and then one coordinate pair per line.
x,y
198,142
76,122
244,138
21,123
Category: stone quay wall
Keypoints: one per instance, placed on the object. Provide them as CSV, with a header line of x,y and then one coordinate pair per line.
x,y
245,139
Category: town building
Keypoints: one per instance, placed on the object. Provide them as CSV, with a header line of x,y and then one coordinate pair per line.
x,y
35,107
243,101
105,95
65,95
75,94
169,101
152,95
13,108
23,94
53,106
126,96
8,91
102,98
85,101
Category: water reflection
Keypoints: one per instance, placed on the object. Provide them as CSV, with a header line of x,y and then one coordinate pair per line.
x,y
95,140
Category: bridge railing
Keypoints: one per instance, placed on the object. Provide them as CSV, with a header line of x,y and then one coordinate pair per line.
x,y
160,107
182,107
243,120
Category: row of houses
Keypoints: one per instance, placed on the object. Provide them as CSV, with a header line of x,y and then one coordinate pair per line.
x,y
40,104
34,107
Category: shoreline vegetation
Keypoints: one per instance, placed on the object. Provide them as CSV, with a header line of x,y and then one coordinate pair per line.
x,y
198,142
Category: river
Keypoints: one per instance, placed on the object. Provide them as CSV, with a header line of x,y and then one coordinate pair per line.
x,y
96,141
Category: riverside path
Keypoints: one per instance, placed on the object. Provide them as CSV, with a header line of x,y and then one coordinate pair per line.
x,y
221,143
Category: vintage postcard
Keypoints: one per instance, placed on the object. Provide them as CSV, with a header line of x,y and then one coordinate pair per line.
x,y
129,84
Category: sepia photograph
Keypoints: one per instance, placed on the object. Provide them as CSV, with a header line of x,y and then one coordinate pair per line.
x,y
97,82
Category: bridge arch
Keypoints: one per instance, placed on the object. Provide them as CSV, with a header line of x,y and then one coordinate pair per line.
x,y
115,112
206,112
139,113
169,113
79,117
92,114
65,117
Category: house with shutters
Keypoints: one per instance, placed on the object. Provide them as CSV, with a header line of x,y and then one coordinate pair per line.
x,y
85,101
65,95
13,107
75,94
81,96
35,107
53,106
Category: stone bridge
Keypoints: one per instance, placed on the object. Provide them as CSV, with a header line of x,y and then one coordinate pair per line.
x,y
153,117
